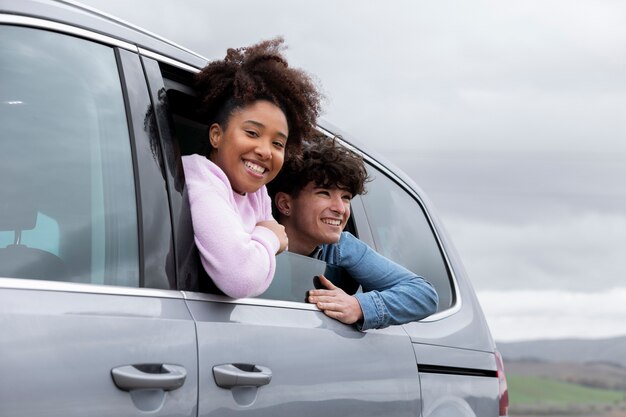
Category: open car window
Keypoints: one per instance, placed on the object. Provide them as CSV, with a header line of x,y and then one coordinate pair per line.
x,y
294,273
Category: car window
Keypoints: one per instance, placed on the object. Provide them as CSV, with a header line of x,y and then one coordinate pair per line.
x,y
296,275
67,197
402,232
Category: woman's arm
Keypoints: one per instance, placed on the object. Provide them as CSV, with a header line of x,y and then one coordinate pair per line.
x,y
241,263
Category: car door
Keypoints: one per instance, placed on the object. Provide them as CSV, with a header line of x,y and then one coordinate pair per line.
x,y
89,325
278,356
453,348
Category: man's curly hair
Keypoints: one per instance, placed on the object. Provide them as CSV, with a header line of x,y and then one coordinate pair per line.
x,y
324,162
259,72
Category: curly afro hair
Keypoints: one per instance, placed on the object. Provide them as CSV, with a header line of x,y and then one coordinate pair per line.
x,y
324,162
259,72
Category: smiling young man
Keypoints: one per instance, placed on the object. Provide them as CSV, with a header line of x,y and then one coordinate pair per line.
x,y
312,196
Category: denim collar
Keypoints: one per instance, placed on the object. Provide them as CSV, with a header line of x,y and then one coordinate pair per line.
x,y
317,253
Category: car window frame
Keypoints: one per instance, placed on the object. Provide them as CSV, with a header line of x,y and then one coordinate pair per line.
x,y
363,223
188,263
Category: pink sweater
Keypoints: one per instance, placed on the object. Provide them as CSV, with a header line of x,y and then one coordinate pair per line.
x,y
236,253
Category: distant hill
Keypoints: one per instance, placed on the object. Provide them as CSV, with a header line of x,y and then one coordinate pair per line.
x,y
596,375
610,351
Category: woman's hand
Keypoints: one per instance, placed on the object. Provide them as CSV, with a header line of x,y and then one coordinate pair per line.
x,y
335,303
279,231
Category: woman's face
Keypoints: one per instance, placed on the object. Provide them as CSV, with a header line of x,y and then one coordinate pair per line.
x,y
251,149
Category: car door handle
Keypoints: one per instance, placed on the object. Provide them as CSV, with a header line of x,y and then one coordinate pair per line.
x,y
149,376
239,374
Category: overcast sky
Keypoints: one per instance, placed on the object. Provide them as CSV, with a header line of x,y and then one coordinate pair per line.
x,y
509,114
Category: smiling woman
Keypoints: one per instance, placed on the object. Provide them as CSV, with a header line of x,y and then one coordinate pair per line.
x,y
257,109
251,148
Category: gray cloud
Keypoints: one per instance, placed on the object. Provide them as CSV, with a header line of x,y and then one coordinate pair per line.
x,y
573,252
513,187
549,221
519,315
447,75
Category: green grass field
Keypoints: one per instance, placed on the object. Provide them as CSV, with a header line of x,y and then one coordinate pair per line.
x,y
534,390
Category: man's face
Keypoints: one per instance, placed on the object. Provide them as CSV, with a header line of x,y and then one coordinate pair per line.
x,y
319,215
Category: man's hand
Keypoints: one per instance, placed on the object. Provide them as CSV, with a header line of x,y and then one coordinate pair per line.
x,y
335,303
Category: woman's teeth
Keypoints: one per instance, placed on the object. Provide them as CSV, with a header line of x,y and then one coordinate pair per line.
x,y
258,169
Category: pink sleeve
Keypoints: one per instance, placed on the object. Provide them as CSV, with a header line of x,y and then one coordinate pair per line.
x,y
240,263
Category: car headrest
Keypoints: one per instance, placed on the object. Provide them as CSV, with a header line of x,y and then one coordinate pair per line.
x,y
16,216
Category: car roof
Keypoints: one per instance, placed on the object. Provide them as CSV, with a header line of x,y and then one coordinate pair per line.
x,y
75,14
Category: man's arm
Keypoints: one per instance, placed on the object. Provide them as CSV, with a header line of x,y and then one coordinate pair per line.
x,y
391,293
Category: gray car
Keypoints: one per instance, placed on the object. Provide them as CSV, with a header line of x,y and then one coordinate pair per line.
x,y
104,307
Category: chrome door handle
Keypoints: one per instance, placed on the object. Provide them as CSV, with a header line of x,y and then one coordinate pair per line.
x,y
152,376
239,374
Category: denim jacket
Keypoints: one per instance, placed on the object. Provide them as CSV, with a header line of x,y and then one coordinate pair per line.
x,y
391,293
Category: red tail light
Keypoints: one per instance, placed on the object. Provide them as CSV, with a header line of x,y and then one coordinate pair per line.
x,y
504,390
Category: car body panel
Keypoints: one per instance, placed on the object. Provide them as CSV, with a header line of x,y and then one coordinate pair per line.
x,y
319,366
58,350
459,395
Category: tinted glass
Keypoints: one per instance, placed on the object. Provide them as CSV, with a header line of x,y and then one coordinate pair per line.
x,y
67,198
402,233
295,276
